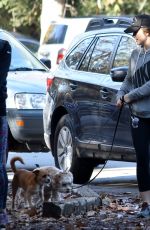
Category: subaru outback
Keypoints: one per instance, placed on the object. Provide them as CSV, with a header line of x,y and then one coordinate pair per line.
x,y
80,115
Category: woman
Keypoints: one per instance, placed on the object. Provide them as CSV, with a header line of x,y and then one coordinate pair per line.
x,y
5,58
135,91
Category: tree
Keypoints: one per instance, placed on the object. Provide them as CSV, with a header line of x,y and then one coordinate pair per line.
x,y
24,15
111,7
21,15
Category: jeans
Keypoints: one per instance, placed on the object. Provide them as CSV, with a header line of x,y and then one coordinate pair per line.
x,y
141,142
3,156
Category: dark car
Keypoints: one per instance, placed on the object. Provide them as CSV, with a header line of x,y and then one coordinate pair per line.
x,y
80,114
26,83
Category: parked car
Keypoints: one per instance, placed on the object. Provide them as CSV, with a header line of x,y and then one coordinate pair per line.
x,y
32,45
56,40
80,114
26,83
29,42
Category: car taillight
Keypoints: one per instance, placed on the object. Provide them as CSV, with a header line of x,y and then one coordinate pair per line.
x,y
60,56
49,82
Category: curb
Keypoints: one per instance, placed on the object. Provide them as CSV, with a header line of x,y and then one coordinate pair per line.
x,y
79,206
87,200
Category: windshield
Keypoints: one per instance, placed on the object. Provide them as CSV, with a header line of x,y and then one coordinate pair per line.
x,y
55,34
31,45
21,58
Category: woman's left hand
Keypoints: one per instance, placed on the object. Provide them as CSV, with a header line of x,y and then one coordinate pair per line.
x,y
126,98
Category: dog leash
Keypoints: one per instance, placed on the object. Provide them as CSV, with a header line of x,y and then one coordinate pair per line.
x,y
114,135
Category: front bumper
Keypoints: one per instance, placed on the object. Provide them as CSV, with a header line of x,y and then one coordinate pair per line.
x,y
26,126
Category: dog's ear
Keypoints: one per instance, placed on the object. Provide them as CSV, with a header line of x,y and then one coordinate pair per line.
x,y
36,172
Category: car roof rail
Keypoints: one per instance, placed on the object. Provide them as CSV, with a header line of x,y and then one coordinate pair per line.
x,y
108,22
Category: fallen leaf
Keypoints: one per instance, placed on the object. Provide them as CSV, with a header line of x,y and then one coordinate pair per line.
x,y
106,201
90,213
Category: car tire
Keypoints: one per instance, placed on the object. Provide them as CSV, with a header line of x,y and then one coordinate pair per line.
x,y
65,152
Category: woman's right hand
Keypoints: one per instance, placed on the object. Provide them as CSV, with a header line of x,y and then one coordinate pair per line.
x,y
119,103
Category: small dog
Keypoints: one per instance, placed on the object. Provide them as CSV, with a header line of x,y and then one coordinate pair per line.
x,y
29,182
61,182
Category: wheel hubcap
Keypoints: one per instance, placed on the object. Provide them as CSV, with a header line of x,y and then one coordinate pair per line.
x,y
65,148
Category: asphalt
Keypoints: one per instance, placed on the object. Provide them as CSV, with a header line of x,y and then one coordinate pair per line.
x,y
31,159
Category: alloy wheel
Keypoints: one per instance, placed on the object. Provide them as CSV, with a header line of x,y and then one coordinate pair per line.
x,y
65,148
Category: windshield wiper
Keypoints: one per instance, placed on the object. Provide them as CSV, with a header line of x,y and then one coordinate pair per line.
x,y
26,69
21,69
39,70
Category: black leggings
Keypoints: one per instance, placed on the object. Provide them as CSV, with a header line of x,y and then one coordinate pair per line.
x,y
141,142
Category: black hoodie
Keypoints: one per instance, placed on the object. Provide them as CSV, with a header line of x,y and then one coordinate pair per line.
x,y
5,59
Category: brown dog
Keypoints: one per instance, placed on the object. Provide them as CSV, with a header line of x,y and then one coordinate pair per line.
x,y
31,182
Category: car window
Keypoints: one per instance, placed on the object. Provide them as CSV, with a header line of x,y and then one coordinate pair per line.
x,y
21,58
124,51
85,63
55,34
76,54
101,56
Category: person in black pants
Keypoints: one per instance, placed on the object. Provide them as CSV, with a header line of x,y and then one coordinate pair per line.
x,y
5,59
135,91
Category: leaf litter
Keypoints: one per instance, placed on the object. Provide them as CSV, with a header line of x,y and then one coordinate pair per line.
x,y
118,212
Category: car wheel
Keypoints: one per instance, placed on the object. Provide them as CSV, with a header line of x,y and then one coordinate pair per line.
x,y
65,152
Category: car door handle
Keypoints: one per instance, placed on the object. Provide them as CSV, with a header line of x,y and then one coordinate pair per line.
x,y
104,94
73,86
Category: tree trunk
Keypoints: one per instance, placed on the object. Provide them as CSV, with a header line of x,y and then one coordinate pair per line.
x,y
51,10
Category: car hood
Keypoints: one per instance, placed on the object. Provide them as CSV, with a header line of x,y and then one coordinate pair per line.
x,y
25,81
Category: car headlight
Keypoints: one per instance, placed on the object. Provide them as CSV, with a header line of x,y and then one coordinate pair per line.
x,y
30,100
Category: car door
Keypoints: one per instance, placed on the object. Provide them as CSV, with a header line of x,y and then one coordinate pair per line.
x,y
84,92
108,111
97,58
97,69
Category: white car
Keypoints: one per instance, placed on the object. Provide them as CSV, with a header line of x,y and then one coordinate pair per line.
x,y
26,88
58,38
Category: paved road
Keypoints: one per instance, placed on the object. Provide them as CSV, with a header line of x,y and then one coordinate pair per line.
x,y
31,159
114,170
116,177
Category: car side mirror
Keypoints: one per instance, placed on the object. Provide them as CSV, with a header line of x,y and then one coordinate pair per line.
x,y
46,62
118,74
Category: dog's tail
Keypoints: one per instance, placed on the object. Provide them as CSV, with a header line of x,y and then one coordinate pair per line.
x,y
12,163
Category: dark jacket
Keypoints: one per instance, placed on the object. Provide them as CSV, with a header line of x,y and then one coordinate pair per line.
x,y
5,59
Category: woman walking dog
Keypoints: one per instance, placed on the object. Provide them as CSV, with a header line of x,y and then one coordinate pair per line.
x,y
135,91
